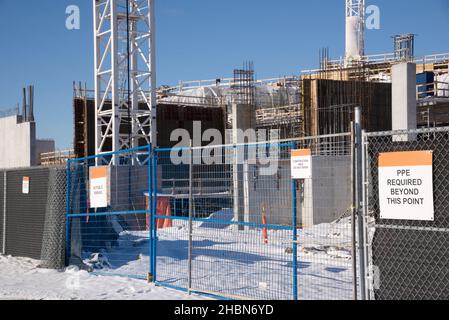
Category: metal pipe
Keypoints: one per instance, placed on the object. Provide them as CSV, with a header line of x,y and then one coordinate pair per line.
x,y
246,204
295,239
24,105
150,213
68,217
190,216
154,204
31,103
5,194
358,146
365,203
354,215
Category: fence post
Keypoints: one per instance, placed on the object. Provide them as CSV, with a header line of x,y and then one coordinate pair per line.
x,y
67,231
153,223
358,179
5,195
190,215
295,239
365,211
150,213
354,215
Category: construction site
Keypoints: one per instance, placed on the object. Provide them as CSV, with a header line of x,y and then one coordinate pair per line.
x,y
258,235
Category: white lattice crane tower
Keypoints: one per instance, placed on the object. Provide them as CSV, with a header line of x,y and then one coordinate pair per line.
x,y
125,75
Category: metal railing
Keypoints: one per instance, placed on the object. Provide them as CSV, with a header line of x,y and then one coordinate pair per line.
x,y
56,157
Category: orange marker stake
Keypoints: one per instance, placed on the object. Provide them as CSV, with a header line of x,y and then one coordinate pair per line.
x,y
168,222
264,222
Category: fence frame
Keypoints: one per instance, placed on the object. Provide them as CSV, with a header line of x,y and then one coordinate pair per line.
x,y
294,210
149,211
152,166
4,210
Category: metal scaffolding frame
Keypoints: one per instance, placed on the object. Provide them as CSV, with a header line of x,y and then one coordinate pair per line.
x,y
124,42
404,47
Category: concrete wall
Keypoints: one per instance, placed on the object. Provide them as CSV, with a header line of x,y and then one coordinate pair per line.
x,y
323,199
243,119
329,195
19,147
17,143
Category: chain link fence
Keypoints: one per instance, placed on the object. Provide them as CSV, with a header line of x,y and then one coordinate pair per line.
x,y
53,240
407,257
231,222
32,214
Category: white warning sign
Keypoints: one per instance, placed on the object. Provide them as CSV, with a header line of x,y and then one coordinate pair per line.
x,y
301,164
99,187
406,186
26,185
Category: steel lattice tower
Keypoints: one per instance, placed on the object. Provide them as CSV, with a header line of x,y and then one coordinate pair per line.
x,y
125,75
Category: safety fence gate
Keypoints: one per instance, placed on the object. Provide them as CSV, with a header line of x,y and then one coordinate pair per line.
x,y
108,210
407,217
232,222
228,221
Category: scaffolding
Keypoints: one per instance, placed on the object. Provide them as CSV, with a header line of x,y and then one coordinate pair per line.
x,y
404,47
56,158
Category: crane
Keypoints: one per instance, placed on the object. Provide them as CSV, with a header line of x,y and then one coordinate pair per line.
x,y
125,76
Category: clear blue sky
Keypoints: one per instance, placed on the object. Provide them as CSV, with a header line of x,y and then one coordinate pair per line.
x,y
197,39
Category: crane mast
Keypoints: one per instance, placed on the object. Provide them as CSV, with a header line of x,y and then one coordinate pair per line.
x,y
125,76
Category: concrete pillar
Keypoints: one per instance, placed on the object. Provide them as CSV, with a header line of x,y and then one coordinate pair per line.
x,y
404,113
243,119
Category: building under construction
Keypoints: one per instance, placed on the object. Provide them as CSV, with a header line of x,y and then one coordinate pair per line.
x,y
316,102
209,112
313,102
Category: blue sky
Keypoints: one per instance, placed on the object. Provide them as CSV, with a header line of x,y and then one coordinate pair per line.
x,y
197,39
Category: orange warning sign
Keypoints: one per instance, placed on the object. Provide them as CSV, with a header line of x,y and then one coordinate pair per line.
x,y
408,159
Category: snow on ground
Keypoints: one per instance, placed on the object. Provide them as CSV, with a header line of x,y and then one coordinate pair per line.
x,y
21,279
226,261
232,262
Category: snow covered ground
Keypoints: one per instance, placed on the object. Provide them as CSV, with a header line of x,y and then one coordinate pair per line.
x,y
21,279
226,261
236,263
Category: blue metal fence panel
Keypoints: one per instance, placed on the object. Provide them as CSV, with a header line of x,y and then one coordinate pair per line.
x,y
226,221
114,239
231,257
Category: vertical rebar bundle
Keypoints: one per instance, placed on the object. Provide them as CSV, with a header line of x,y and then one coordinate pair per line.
x,y
244,84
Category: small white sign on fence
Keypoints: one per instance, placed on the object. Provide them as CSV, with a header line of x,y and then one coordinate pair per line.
x,y
406,186
99,187
26,185
301,164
